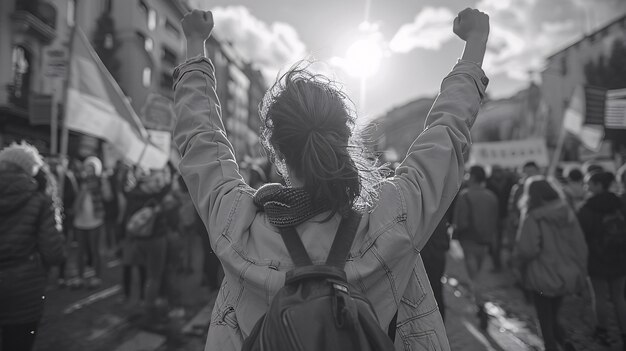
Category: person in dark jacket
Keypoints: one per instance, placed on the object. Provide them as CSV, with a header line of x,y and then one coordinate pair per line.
x,y
607,262
500,184
30,242
434,257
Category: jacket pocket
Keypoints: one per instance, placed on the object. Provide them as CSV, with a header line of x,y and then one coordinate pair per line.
x,y
423,341
415,292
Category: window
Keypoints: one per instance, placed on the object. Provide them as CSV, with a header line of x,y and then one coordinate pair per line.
x,y
166,80
148,43
169,56
152,19
150,14
108,41
147,77
71,12
171,27
21,76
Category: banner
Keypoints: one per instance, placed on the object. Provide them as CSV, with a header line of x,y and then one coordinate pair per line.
x,y
509,154
97,107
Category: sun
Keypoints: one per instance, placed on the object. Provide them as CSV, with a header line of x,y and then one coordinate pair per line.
x,y
363,57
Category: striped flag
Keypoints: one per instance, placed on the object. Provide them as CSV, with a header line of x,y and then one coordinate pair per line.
x,y
575,117
615,112
97,106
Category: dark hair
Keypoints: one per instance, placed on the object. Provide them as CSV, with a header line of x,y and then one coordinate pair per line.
x,y
539,191
605,179
307,124
575,175
530,164
478,174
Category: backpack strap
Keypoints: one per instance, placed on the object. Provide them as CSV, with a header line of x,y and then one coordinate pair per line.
x,y
338,251
343,240
295,247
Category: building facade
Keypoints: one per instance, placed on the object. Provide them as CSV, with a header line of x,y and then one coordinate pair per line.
x,y
146,42
565,70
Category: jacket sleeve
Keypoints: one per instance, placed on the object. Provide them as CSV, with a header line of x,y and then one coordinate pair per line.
x,y
208,163
49,238
528,245
431,174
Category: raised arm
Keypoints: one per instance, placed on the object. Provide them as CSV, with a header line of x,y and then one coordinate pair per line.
x,y
208,163
431,174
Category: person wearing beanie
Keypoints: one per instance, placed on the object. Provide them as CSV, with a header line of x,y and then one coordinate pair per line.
x,y
89,219
30,242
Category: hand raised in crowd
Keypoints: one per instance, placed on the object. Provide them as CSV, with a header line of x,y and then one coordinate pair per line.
x,y
197,25
471,24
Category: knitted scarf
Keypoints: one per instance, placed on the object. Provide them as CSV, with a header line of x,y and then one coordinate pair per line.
x,y
287,207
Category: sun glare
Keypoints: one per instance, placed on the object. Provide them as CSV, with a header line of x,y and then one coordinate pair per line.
x,y
363,57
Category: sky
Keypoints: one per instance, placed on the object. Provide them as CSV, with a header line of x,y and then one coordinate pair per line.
x,y
404,47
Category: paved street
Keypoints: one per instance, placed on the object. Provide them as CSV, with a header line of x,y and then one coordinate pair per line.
x,y
96,320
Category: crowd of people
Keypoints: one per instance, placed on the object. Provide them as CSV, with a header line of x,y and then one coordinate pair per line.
x,y
559,236
53,228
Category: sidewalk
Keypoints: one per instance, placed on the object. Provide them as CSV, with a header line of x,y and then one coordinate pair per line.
x,y
96,319
513,323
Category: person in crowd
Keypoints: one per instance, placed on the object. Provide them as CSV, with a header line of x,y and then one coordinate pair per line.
x,y
602,220
476,227
150,251
529,169
89,220
187,224
111,209
172,280
30,242
307,129
434,258
500,184
574,189
551,255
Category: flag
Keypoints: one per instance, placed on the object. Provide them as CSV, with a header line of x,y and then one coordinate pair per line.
x,y
97,106
615,113
574,120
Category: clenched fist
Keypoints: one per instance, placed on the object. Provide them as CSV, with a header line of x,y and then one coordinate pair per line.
x,y
471,24
197,25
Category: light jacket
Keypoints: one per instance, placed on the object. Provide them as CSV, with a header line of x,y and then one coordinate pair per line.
x,y
384,261
551,251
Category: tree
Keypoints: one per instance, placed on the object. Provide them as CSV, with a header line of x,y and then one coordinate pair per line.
x,y
105,42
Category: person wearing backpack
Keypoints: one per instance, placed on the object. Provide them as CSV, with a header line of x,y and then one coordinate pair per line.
x,y
602,218
550,255
337,231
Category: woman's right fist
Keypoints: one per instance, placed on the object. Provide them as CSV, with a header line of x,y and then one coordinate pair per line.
x,y
471,24
198,25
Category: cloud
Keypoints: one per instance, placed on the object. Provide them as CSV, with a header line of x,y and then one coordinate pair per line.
x,y
270,47
431,28
524,32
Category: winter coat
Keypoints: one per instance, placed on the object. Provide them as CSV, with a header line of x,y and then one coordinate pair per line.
x,y
550,250
590,216
384,261
30,240
476,215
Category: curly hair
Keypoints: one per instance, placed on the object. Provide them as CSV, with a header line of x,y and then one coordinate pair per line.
x,y
308,124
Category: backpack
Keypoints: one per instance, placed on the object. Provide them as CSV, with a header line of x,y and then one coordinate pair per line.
x,y
141,224
317,309
614,232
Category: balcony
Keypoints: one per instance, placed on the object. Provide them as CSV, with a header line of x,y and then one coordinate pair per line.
x,y
36,18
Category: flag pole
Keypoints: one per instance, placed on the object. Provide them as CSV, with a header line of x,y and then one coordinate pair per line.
x,y
557,152
66,85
